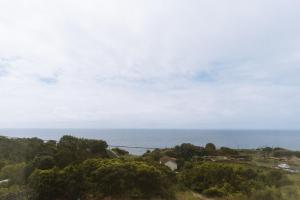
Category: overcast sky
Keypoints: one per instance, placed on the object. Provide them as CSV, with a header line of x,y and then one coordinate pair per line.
x,y
150,64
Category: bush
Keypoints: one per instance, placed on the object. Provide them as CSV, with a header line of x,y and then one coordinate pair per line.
x,y
213,192
13,192
72,150
13,172
227,151
43,162
103,178
120,152
46,184
215,179
210,147
266,194
133,179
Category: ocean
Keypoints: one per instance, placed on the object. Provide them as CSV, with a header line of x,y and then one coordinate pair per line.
x,y
160,138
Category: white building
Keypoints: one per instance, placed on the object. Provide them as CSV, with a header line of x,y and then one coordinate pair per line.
x,y
287,168
4,181
284,166
169,162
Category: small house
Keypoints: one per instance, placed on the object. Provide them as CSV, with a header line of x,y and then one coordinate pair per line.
x,y
169,162
284,166
287,168
4,181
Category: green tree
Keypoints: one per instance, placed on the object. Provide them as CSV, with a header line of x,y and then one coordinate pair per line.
x,y
98,178
43,162
120,152
127,178
187,151
46,184
210,147
227,151
13,172
220,178
75,150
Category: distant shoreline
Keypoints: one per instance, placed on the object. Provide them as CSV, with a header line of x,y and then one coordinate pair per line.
x,y
156,138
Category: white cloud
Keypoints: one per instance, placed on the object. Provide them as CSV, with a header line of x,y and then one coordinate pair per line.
x,y
157,64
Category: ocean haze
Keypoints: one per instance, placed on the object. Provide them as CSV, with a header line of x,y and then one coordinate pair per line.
x,y
160,138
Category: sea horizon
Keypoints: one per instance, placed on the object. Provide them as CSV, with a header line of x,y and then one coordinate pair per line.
x,y
164,138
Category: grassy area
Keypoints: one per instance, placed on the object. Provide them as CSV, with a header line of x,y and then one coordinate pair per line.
x,y
290,191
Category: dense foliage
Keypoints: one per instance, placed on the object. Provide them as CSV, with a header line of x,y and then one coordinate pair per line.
x,y
68,150
220,179
76,168
99,178
120,152
187,152
279,152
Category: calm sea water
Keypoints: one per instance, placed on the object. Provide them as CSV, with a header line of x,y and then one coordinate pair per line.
x,y
168,138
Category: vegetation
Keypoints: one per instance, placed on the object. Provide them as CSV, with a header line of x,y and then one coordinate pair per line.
x,y
77,168
120,152
223,179
99,178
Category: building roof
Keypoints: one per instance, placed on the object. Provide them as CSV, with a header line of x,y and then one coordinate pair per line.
x,y
4,181
284,166
166,159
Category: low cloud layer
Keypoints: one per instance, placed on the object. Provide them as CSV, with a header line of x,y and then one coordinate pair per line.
x,y
150,64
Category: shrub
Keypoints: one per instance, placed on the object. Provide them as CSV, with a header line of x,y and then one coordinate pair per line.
x,y
46,184
103,178
43,162
13,172
120,152
213,192
215,179
123,178
210,147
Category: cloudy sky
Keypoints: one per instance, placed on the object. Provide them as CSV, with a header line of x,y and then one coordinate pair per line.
x,y
150,64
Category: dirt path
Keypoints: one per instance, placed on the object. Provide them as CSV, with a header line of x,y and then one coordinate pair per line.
x,y
201,197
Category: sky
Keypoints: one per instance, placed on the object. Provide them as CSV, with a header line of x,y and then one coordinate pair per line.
x,y
205,64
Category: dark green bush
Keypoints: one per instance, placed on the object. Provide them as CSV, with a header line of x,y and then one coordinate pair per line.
x,y
103,178
223,179
120,152
213,192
